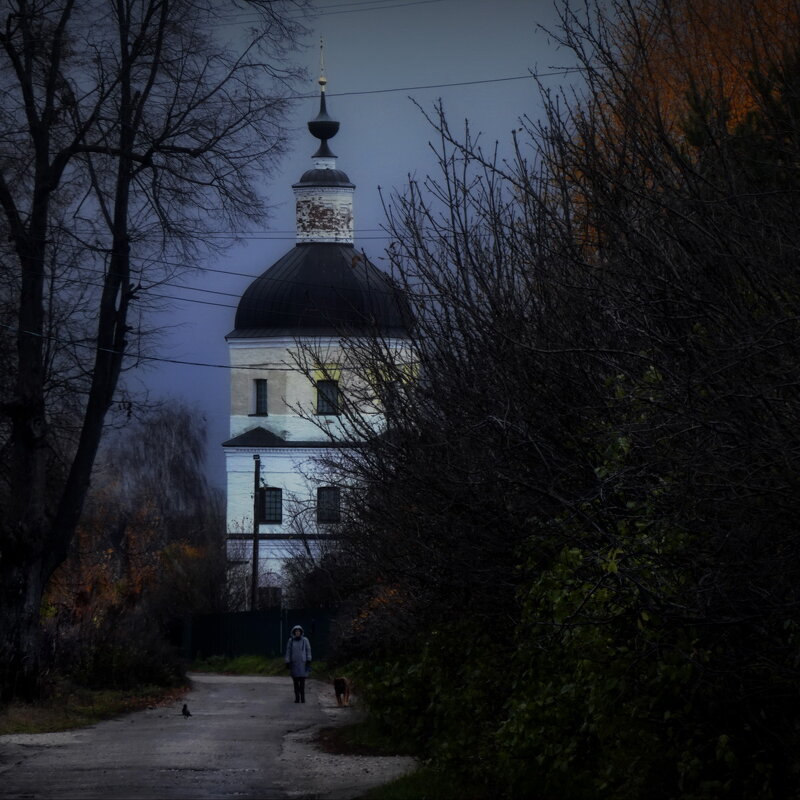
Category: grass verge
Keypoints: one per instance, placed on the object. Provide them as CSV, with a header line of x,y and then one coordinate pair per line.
x,y
75,707
426,783
429,783
359,739
252,665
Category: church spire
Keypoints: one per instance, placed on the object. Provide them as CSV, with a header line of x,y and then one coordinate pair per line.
x,y
322,126
324,195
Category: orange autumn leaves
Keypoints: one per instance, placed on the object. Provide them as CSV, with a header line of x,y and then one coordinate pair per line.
x,y
663,77
676,50
116,559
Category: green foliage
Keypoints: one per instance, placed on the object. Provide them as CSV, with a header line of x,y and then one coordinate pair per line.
x,y
612,700
444,700
614,707
251,665
594,487
366,737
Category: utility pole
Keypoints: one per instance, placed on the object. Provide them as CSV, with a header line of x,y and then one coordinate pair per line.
x,y
256,519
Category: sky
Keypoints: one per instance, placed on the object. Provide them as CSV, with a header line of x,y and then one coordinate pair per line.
x,y
371,46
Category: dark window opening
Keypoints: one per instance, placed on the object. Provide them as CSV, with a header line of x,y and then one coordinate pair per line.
x,y
271,506
389,394
328,397
261,397
328,508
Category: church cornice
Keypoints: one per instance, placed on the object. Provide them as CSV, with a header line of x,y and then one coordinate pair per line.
x,y
289,447
248,342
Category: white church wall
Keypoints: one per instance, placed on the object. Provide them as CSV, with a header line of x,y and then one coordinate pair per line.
x,y
288,469
296,472
291,395
288,390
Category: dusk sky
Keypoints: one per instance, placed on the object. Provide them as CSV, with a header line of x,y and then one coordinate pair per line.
x,y
370,47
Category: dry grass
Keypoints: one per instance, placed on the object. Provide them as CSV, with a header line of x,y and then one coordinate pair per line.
x,y
75,707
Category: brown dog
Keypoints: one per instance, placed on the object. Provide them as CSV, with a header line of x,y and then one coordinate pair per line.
x,y
342,688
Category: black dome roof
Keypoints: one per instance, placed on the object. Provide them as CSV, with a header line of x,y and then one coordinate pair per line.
x,y
321,289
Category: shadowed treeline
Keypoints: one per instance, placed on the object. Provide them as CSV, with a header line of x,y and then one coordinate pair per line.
x,y
572,558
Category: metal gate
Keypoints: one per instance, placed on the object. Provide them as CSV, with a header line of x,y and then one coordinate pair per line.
x,y
262,633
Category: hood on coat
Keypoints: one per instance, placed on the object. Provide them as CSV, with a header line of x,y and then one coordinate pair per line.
x,y
298,628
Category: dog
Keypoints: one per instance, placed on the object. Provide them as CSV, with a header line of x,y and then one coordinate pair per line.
x,y
342,688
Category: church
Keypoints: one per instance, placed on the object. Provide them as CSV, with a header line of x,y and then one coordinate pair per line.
x,y
289,378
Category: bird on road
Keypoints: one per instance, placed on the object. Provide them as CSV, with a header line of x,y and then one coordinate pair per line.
x,y
186,712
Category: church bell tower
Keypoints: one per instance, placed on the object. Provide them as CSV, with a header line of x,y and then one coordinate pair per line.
x,y
318,296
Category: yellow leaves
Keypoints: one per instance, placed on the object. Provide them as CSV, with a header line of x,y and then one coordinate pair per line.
x,y
403,372
610,560
182,551
384,598
191,551
327,372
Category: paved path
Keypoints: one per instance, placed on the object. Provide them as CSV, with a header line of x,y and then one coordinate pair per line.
x,y
246,738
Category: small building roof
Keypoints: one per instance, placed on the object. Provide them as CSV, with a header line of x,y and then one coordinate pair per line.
x,y
261,437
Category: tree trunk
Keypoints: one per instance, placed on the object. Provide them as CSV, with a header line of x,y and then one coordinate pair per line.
x,y
21,587
98,117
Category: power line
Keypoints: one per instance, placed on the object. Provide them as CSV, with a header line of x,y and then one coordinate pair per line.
x,y
159,296
529,76
324,11
376,290
139,357
265,232
381,7
156,295
257,237
323,8
148,290
443,85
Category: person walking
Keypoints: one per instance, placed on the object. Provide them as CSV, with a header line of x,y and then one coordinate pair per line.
x,y
298,662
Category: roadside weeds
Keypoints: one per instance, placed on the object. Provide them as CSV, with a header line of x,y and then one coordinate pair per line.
x,y
71,706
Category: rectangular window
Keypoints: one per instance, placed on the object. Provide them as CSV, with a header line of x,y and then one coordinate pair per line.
x,y
389,394
328,509
328,397
271,506
261,397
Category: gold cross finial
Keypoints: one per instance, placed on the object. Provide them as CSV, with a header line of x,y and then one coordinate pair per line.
x,y
322,79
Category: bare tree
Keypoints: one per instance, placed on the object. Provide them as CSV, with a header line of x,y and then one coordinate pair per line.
x,y
598,452
127,128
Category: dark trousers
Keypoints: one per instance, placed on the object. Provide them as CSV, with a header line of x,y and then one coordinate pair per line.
x,y
299,689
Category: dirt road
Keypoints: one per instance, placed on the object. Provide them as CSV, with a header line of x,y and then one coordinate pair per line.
x,y
246,738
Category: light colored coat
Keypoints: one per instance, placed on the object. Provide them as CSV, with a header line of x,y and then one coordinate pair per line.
x,y
298,656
